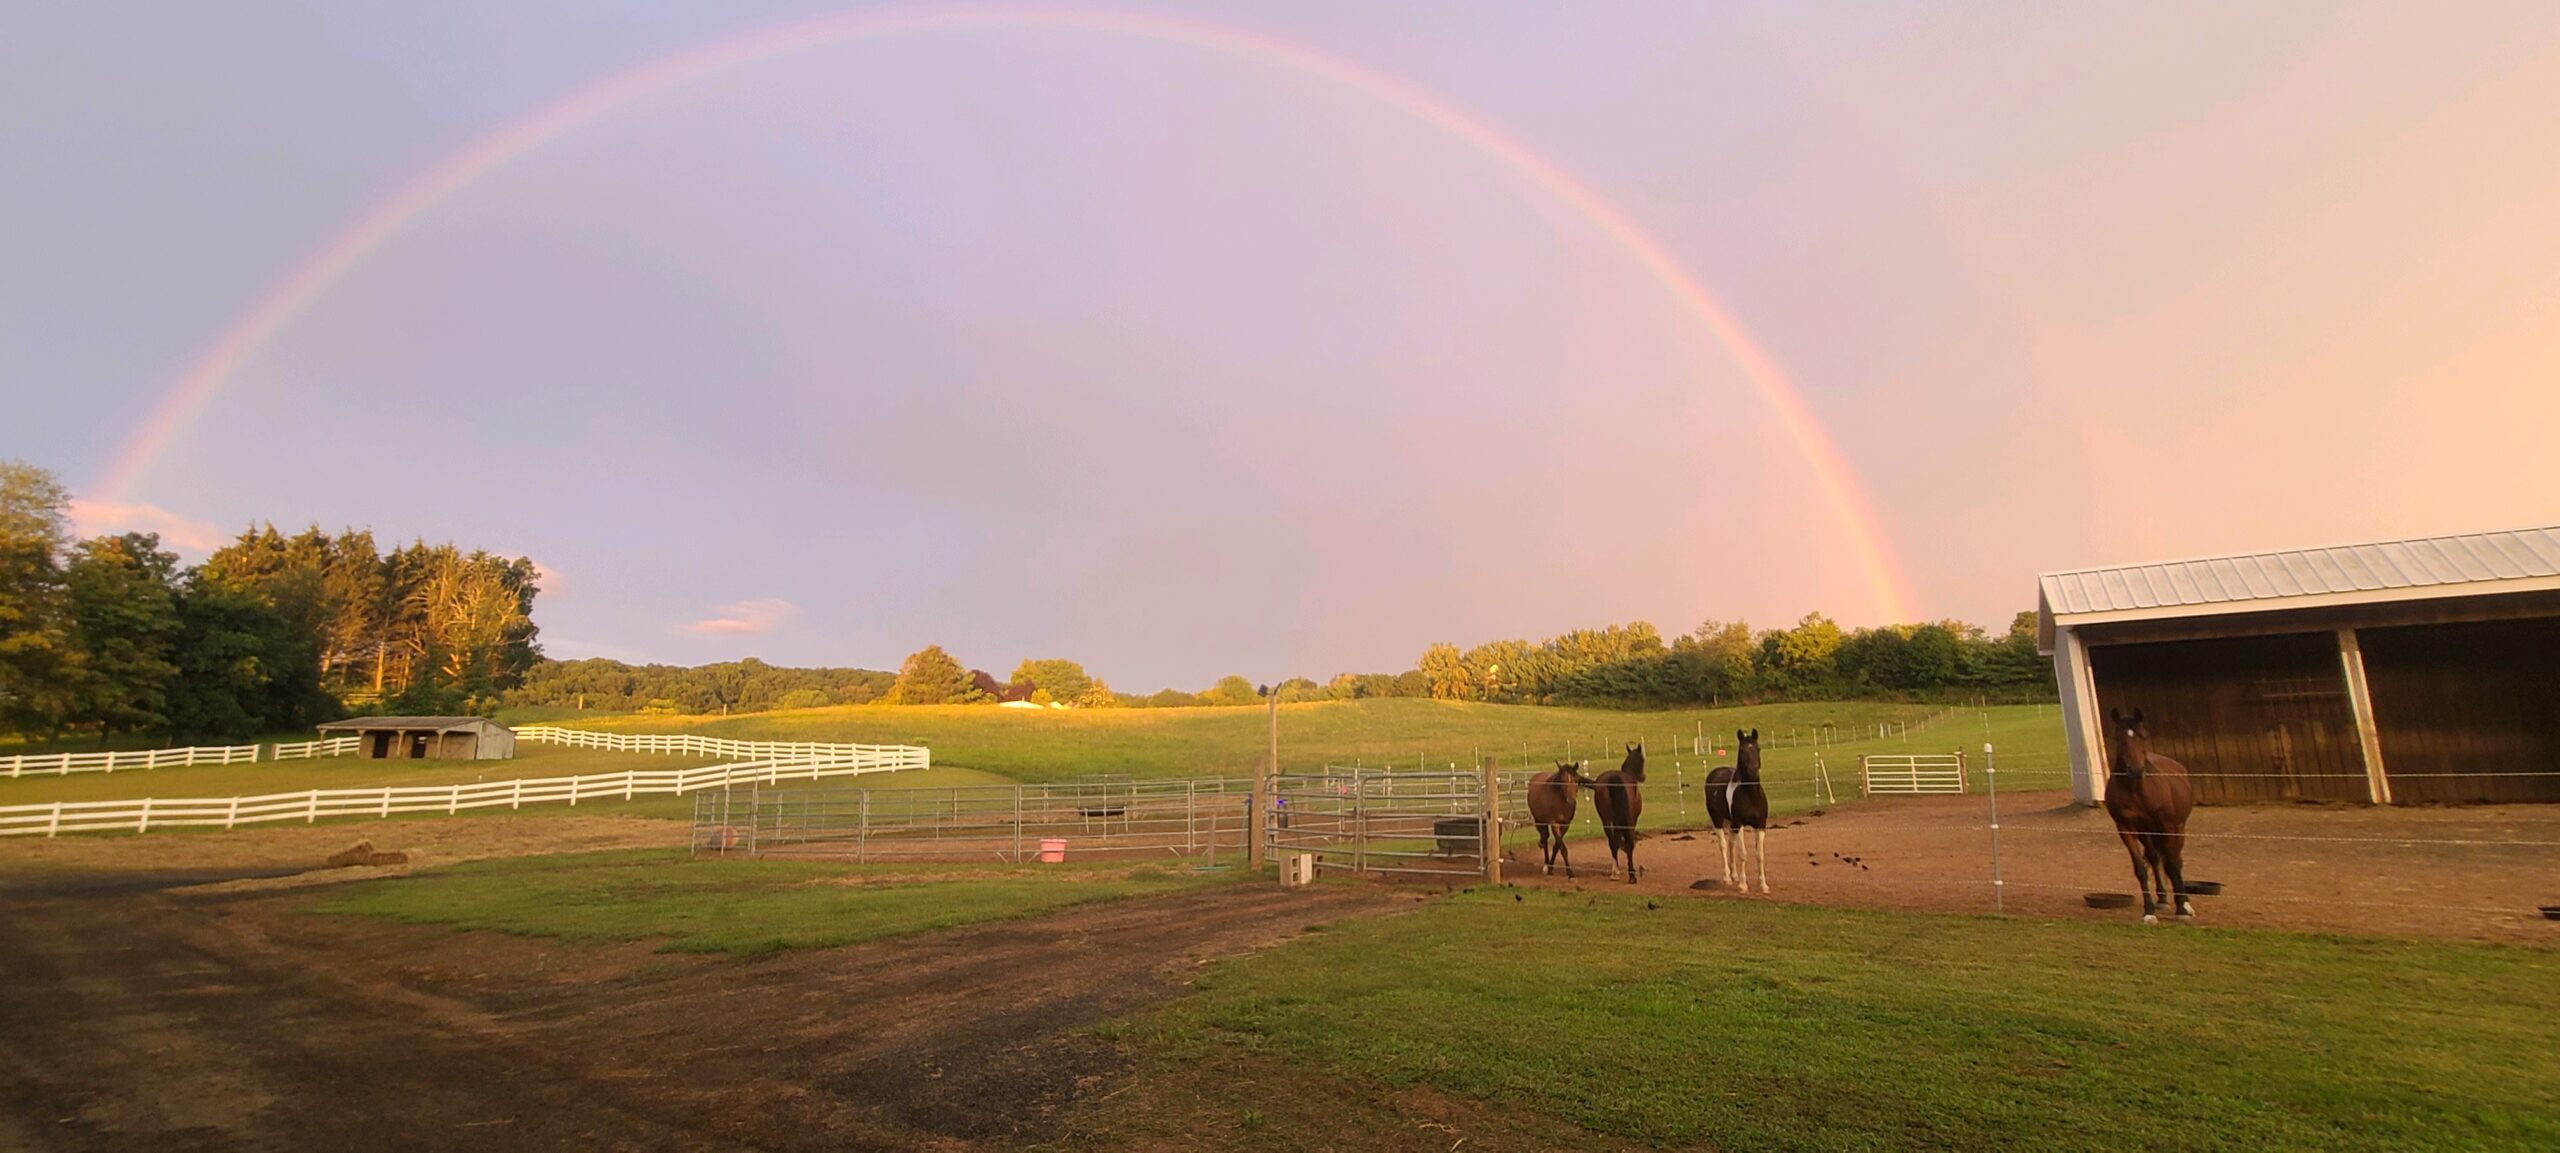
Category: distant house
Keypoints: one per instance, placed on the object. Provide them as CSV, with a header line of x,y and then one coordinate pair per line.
x,y
428,738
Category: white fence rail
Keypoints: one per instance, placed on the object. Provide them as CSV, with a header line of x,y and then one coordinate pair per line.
x,y
142,816
1911,775
781,752
60,763
306,750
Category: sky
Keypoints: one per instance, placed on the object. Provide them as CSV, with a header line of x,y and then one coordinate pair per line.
x,y
1281,339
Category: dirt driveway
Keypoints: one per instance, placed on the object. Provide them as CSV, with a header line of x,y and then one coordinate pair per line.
x,y
137,1015
2474,872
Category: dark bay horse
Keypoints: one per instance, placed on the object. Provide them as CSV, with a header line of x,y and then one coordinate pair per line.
x,y
1737,804
2149,797
1551,805
1619,796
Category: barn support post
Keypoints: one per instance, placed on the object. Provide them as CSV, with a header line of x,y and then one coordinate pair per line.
x,y
1492,847
2079,714
2360,698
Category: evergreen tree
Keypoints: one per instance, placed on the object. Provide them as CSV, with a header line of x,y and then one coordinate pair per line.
x,y
124,611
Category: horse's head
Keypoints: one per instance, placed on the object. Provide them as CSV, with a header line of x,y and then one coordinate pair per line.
x,y
1633,766
1746,753
1568,775
2131,743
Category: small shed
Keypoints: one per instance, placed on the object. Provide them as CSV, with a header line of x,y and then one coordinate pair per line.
x,y
427,738
2423,670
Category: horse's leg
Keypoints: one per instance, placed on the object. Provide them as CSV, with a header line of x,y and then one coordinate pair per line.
x,y
1761,842
1631,854
1546,855
2173,851
1564,852
2141,872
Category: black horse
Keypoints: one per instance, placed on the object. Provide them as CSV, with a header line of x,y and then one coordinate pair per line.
x,y
1737,805
1619,796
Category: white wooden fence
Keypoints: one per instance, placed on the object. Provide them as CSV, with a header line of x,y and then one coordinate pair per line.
x,y
59,763
142,816
784,752
305,750
1902,774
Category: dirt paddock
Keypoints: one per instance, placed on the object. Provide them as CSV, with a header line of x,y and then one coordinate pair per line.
x,y
2475,872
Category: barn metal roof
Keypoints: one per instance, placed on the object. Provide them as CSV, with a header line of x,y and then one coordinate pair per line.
x,y
412,724
2487,562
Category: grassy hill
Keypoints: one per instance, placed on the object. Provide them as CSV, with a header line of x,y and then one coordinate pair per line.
x,y
1040,745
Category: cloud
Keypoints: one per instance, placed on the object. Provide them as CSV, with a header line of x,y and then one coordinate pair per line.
x,y
106,517
746,618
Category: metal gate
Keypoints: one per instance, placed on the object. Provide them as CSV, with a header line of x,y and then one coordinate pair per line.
x,y
1376,821
1118,816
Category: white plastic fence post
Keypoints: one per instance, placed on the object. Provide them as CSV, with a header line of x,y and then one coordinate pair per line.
x,y
233,817
386,801
314,812
145,825
518,801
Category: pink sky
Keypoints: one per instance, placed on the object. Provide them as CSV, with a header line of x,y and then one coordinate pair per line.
x,y
1042,341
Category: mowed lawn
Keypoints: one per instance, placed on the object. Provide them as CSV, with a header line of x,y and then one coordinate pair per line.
x,y
1043,745
1759,1026
747,907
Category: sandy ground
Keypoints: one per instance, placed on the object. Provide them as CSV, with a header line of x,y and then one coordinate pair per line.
x,y
2456,871
133,1015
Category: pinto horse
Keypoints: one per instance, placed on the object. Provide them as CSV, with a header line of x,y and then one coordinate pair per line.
x,y
1737,803
2149,797
1619,796
1551,805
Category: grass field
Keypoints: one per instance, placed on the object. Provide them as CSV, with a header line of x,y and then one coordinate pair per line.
x,y
1750,1025
746,907
1046,745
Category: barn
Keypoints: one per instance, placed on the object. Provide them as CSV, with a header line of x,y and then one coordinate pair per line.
x,y
427,738
2398,672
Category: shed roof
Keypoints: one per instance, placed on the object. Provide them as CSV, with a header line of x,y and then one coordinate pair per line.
x,y
2515,560
413,725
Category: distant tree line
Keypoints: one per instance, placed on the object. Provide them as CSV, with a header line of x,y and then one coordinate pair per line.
x,y
1625,666
110,636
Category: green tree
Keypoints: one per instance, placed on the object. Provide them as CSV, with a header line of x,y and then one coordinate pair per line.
x,y
929,676
1173,699
124,611
38,659
1231,691
1445,670
1065,681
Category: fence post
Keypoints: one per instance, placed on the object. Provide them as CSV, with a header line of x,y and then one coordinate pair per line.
x,y
386,802
862,828
145,826
517,800
1492,846
233,817
1359,823
1017,824
312,814
453,804
54,825
1190,818
1257,815
755,817
1991,787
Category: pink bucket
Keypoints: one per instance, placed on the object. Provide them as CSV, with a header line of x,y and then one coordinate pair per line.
x,y
1053,850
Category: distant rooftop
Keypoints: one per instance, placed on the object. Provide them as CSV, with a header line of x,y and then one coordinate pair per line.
x,y
412,724
2518,560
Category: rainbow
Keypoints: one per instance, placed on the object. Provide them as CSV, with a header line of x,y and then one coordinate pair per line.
x,y
219,362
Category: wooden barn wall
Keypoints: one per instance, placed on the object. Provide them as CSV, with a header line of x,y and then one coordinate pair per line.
x,y
2252,718
2463,707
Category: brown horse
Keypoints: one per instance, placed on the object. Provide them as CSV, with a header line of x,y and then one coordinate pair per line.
x,y
1551,805
1619,796
2149,797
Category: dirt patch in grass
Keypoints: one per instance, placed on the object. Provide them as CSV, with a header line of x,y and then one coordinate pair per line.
x,y
290,847
242,1021
2472,872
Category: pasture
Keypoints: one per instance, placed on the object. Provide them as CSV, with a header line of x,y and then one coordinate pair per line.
x,y
643,996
